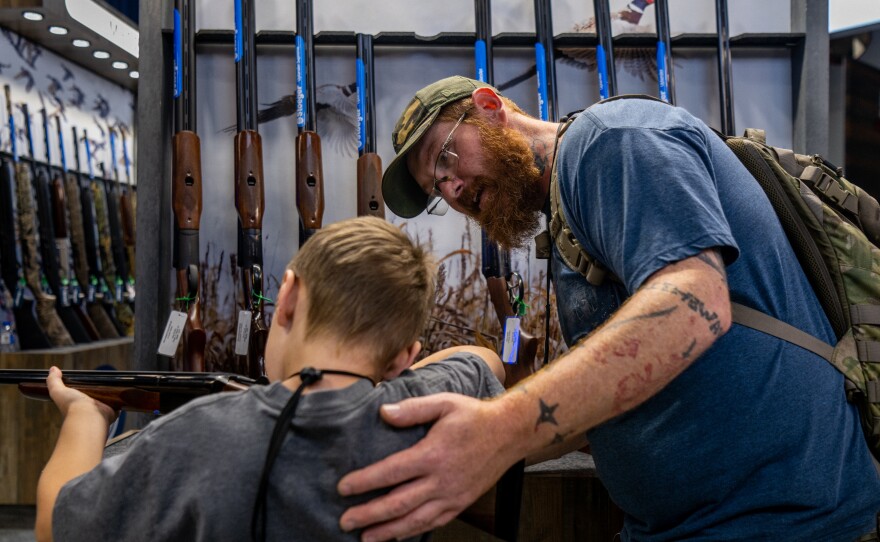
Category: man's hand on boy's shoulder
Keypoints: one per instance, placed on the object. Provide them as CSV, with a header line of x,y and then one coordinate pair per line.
x,y
488,357
68,399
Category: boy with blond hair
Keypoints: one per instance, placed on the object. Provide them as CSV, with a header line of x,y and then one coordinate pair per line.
x,y
264,463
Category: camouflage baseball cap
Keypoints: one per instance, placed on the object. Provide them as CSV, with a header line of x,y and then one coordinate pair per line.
x,y
402,193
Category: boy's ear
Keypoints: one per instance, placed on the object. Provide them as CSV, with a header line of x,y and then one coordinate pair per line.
x,y
285,303
402,361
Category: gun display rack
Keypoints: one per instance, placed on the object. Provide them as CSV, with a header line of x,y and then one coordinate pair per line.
x,y
156,49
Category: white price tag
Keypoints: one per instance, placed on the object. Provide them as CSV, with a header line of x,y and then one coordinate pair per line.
x,y
173,333
510,348
243,333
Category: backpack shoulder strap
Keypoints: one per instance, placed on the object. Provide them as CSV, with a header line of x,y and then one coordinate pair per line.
x,y
570,250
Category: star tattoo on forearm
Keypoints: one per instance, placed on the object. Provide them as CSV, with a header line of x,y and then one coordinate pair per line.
x,y
546,415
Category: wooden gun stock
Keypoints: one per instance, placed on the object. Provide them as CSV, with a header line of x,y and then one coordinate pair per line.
x,y
309,180
369,188
249,195
194,337
527,352
186,180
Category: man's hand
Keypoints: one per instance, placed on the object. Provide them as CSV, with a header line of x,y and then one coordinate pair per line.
x,y
67,398
462,456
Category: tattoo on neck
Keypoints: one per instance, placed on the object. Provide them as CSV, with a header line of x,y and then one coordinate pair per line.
x,y
546,415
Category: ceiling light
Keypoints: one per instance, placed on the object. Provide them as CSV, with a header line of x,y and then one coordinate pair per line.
x,y
120,65
32,16
134,74
58,30
101,54
81,43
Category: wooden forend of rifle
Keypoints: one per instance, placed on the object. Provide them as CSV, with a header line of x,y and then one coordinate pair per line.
x,y
369,187
249,195
309,179
186,182
527,352
132,399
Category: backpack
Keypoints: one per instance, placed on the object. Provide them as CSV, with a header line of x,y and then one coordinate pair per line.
x,y
833,227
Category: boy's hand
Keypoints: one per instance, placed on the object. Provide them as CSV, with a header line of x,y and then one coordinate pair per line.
x,y
68,398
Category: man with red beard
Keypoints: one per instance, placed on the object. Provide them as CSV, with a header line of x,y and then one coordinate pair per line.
x,y
700,429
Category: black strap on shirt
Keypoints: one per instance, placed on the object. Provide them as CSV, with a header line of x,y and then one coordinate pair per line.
x,y
308,376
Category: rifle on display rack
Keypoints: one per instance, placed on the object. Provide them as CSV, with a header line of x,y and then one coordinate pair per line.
x,y
124,286
546,72
369,165
249,196
309,170
186,187
725,68
127,209
605,50
545,61
665,77
522,348
55,245
65,193
156,392
31,333
29,230
98,246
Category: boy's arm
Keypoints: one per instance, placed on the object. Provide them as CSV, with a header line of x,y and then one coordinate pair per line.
x,y
489,357
79,448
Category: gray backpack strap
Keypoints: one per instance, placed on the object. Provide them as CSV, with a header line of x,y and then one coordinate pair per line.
x,y
765,323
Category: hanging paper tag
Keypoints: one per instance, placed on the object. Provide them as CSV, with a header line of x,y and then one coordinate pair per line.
x,y
243,334
173,333
90,293
119,290
510,347
19,294
64,294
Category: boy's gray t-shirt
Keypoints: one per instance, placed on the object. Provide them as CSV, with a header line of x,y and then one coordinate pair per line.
x,y
193,475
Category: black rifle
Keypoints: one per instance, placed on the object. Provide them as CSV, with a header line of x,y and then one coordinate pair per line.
x,y
605,50
30,334
156,391
28,227
309,166
127,206
114,219
53,219
67,195
665,77
48,249
249,191
186,187
96,286
545,61
369,164
725,69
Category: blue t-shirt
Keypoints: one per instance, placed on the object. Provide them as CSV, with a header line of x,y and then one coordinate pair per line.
x,y
755,439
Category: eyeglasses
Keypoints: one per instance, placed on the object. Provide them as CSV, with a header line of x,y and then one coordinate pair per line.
x,y
445,168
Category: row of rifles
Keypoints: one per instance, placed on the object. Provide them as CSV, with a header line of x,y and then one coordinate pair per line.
x,y
505,292
66,243
186,176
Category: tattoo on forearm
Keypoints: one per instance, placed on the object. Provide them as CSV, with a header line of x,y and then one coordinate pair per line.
x,y
693,302
687,353
713,260
546,415
655,314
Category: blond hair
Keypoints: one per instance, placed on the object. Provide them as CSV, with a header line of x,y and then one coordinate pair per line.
x,y
369,285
